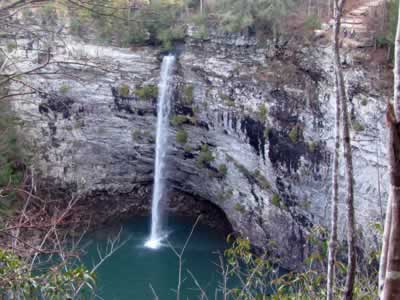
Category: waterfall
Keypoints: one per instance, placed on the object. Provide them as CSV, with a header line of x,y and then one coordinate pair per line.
x,y
163,111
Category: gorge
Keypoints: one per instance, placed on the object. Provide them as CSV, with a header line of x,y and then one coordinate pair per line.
x,y
271,130
135,122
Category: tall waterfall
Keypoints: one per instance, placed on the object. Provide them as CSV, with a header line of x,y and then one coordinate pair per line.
x,y
163,111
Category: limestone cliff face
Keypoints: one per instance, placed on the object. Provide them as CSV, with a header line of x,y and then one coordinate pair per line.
x,y
259,124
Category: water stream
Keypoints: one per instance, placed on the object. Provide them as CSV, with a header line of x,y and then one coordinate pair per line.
x,y
163,111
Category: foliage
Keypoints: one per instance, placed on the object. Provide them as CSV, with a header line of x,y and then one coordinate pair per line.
x,y
18,282
312,23
294,134
222,170
262,113
178,120
188,149
275,200
261,180
64,89
267,132
312,146
12,159
168,36
357,126
227,100
188,95
11,46
240,208
181,137
260,278
123,90
389,35
238,15
225,195
205,156
147,92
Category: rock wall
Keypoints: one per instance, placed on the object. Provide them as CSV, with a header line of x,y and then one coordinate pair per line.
x,y
259,124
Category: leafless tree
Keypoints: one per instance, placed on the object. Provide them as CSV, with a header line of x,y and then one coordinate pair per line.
x,y
389,273
348,159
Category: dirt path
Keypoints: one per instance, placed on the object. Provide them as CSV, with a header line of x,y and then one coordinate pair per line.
x,y
360,22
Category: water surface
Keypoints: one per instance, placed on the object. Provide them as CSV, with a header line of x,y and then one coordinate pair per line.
x,y
127,275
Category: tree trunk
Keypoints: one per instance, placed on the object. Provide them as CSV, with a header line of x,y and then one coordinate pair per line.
x,y
351,253
391,288
335,200
385,245
391,270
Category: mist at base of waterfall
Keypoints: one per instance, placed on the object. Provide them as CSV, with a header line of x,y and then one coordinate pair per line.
x,y
127,275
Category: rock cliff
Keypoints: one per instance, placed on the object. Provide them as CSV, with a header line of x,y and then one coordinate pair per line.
x,y
252,134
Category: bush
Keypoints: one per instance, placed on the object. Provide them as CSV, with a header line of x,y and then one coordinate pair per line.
x,y
147,92
357,126
188,95
178,120
222,170
294,134
136,134
205,156
262,113
182,137
170,35
188,149
240,208
312,23
227,100
64,89
261,180
312,146
201,33
57,283
275,200
11,46
124,90
225,195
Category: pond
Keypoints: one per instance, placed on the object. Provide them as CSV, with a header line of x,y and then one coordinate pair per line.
x,y
129,272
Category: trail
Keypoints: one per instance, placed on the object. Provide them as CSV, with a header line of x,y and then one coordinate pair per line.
x,y
360,22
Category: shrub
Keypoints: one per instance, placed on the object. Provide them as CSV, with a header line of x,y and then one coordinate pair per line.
x,y
294,134
188,149
147,92
228,101
312,146
364,102
188,95
312,23
205,156
136,134
222,170
201,33
240,208
64,89
124,90
357,126
261,180
225,195
170,35
181,137
262,113
11,46
275,200
178,120
266,132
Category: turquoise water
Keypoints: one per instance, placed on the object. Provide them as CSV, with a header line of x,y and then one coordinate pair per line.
x,y
127,275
